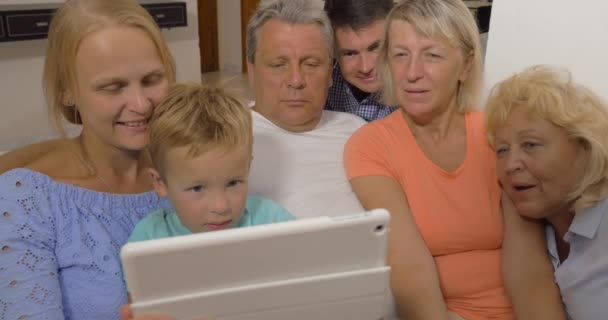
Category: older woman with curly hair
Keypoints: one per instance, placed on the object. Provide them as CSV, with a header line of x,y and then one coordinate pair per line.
x,y
551,139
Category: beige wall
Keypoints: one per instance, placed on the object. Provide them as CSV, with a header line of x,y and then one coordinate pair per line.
x,y
23,116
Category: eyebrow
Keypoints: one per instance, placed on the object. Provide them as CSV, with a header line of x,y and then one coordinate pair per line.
x,y
426,48
526,131
345,51
110,80
374,45
107,81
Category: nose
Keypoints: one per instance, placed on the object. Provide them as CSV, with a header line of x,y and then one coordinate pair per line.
x,y
415,67
368,62
512,162
219,202
140,102
295,77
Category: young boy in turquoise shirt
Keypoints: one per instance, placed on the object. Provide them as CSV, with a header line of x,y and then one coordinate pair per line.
x,y
201,150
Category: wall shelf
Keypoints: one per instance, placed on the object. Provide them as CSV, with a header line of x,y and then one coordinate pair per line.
x,y
29,22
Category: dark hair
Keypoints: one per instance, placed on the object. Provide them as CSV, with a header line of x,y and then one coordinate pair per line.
x,y
356,14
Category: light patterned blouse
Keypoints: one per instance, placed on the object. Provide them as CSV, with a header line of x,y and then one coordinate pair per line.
x,y
59,247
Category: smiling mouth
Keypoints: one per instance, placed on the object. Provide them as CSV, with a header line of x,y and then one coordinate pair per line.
x,y
523,187
133,123
416,91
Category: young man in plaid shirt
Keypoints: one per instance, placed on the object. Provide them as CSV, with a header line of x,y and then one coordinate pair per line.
x,y
358,30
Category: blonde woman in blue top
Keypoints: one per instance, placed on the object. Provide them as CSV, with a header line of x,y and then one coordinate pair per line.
x,y
551,139
72,203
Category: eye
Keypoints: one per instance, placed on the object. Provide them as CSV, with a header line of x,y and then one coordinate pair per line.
x,y
196,189
234,183
153,79
349,54
529,145
434,55
276,65
500,150
113,87
311,64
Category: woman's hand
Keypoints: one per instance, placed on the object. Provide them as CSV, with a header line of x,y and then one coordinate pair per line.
x,y
127,314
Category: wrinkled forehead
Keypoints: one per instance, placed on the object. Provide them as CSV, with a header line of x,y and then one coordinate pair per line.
x,y
276,37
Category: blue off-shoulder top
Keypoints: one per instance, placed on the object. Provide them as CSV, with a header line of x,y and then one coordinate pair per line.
x,y
60,244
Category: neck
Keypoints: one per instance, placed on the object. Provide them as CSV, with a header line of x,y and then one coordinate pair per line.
x,y
297,128
436,126
561,222
120,171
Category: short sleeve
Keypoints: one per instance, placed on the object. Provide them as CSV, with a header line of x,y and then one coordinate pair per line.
x,y
263,211
140,233
367,153
30,287
280,214
158,224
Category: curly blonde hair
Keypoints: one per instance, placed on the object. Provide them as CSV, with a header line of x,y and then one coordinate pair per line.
x,y
549,93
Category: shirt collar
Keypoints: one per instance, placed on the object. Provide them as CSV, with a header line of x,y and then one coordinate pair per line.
x,y
176,225
587,221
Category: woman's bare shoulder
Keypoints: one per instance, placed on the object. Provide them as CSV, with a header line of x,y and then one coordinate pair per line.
x,y
41,156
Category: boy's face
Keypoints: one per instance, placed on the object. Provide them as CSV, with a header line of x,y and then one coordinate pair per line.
x,y
208,191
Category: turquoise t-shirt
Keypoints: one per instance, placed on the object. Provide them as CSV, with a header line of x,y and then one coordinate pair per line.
x,y
165,223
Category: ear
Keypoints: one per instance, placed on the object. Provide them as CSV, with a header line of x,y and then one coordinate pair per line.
x,y
468,65
67,99
250,75
157,181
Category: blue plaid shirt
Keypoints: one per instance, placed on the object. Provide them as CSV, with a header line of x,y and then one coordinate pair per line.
x,y
341,98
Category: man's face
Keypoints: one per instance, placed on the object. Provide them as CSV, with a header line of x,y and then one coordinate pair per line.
x,y
291,74
357,52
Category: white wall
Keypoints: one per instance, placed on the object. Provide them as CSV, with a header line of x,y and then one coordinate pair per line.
x,y
23,116
229,35
573,34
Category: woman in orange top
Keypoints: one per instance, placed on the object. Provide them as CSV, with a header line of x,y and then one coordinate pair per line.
x,y
431,166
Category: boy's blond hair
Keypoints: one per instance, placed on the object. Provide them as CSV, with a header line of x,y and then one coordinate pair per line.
x,y
201,117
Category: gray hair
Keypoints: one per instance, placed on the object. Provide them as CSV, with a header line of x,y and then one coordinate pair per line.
x,y
288,11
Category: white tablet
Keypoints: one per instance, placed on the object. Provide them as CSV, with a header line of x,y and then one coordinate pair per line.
x,y
316,268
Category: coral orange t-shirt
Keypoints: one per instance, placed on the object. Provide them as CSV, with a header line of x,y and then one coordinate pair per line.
x,y
458,213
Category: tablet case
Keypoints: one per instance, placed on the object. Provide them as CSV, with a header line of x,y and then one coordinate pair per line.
x,y
316,268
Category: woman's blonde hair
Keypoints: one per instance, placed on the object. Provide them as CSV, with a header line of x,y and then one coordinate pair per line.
x,y
550,94
201,117
446,20
75,20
